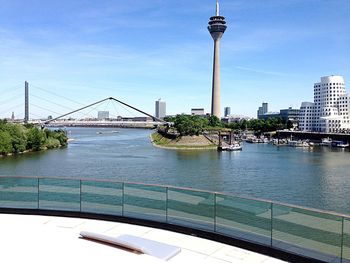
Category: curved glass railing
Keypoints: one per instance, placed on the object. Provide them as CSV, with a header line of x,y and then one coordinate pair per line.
x,y
308,232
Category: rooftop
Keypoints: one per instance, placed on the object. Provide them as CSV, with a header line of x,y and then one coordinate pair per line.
x,y
29,238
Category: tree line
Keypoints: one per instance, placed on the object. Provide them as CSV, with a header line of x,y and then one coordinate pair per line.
x,y
17,138
195,125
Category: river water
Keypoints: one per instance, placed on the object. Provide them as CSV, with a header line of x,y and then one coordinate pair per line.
x,y
318,177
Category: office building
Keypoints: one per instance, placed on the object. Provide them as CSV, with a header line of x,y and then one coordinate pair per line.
x,y
217,26
330,110
160,109
290,114
102,115
263,109
227,111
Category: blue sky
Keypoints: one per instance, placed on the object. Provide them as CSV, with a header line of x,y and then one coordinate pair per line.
x,y
139,51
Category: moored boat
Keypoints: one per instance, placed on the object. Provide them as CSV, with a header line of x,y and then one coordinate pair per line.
x,y
339,144
236,146
326,142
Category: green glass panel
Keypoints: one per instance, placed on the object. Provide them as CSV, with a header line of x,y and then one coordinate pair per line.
x,y
189,208
101,197
59,194
308,233
19,192
346,241
244,218
145,202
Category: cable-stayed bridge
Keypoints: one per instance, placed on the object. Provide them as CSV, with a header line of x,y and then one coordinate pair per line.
x,y
48,108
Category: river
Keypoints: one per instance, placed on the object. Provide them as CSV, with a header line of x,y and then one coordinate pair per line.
x,y
318,177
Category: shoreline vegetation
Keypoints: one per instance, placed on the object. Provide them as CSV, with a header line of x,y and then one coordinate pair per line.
x,y
18,139
191,131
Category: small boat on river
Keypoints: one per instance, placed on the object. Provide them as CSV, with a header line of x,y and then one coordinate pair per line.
x,y
236,146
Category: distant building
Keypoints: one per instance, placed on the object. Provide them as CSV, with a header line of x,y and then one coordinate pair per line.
x,y
290,114
269,115
235,118
227,111
144,119
160,109
330,111
263,109
102,115
197,111
13,116
286,114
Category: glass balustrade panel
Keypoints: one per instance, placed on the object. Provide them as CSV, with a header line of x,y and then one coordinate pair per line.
x,y
346,241
308,233
189,208
244,218
102,197
59,194
19,192
144,202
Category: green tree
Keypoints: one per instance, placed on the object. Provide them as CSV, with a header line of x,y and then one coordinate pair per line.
x,y
36,139
5,142
190,125
18,137
61,137
214,121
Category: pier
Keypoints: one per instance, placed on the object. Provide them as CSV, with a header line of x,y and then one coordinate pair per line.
x,y
313,136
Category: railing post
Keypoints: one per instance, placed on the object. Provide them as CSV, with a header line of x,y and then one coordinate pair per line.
x,y
80,195
342,240
123,186
271,208
166,204
215,213
38,184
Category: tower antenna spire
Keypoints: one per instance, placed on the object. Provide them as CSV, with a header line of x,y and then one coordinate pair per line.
x,y
217,8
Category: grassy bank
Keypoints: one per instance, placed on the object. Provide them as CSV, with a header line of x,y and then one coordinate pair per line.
x,y
183,142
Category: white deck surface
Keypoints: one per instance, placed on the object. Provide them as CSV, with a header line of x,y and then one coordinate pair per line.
x,y
26,238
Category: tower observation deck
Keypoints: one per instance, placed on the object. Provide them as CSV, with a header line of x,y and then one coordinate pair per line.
x,y
216,26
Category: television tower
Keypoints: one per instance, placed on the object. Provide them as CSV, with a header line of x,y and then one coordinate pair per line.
x,y
216,27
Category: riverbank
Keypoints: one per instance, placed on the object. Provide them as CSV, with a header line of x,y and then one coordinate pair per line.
x,y
31,151
182,143
17,139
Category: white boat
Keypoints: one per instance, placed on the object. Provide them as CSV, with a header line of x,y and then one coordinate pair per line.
x,y
326,142
236,146
298,144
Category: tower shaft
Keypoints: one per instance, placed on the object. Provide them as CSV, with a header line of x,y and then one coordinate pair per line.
x,y
215,98
216,27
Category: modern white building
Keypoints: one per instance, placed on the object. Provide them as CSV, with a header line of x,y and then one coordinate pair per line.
x,y
160,109
330,110
306,116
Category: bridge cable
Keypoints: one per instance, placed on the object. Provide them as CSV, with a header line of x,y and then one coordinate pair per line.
x,y
57,95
